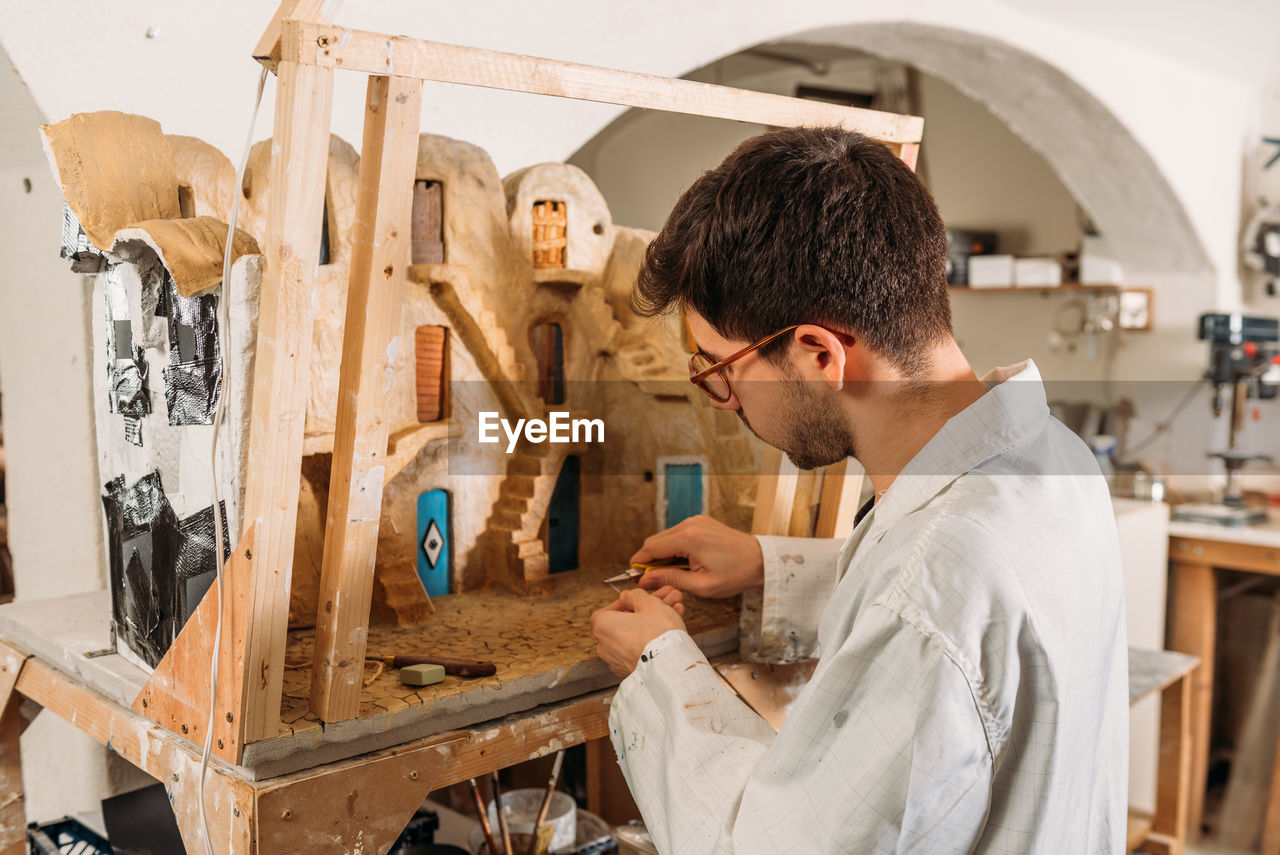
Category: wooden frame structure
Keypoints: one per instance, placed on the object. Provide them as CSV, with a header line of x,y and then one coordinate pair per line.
x,y
168,718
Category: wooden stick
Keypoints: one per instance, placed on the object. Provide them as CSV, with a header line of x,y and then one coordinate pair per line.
x,y
484,818
502,814
841,486
379,256
281,379
546,802
374,53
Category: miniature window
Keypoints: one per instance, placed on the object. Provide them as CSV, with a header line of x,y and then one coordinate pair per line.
x,y
550,225
428,222
548,348
431,352
562,518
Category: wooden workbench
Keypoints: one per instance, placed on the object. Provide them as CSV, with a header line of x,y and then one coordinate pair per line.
x,y
1196,552
317,779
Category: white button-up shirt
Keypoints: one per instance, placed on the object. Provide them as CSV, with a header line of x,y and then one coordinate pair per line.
x,y
971,694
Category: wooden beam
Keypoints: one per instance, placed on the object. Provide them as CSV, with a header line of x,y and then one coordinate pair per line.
x,y
1193,623
13,811
374,53
380,252
841,488
1173,785
282,377
176,695
775,494
267,51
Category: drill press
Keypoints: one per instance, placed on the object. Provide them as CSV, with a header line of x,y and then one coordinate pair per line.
x,y
1244,356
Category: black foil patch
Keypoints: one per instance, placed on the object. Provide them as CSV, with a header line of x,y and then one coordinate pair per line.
x,y
193,380
85,257
160,566
126,372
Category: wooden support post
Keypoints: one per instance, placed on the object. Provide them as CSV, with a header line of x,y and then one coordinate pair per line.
x,y
13,813
1173,786
1193,625
282,376
379,257
841,487
267,51
775,495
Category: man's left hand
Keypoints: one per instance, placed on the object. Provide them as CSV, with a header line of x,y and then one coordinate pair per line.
x,y
626,626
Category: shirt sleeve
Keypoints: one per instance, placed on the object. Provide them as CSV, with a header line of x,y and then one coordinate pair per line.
x,y
884,751
780,623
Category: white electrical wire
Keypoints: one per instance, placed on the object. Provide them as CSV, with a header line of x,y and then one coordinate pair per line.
x,y
224,323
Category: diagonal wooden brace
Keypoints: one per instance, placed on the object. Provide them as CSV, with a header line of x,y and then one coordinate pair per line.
x,y
370,347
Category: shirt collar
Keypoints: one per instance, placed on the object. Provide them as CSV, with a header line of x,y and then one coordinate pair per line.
x,y
1013,409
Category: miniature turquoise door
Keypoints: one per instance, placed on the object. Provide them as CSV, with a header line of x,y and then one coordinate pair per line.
x,y
562,518
684,491
433,542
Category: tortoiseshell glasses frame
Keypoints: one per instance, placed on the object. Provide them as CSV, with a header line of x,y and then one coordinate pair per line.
x,y
710,378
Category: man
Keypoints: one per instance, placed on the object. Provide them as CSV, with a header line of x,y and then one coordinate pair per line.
x,y
971,687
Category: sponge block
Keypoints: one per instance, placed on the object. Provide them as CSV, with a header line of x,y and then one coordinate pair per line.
x,y
421,675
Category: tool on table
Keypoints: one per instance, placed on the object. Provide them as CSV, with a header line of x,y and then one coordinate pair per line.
x,y
1243,354
638,569
484,819
452,667
538,838
502,816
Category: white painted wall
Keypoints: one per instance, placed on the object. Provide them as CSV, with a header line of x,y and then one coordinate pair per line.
x,y
1184,81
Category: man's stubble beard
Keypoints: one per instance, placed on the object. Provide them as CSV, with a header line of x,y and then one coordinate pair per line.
x,y
817,434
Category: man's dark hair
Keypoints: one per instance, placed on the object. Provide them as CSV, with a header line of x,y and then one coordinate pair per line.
x,y
806,225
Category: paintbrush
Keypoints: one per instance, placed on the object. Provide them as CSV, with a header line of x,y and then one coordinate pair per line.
x,y
534,844
484,818
502,816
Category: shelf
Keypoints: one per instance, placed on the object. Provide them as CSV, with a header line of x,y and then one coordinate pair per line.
x,y
1038,289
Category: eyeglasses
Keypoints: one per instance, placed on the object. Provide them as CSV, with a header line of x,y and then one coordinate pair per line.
x,y
710,377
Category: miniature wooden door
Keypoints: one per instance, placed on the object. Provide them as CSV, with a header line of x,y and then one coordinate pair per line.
x,y
548,347
562,518
433,542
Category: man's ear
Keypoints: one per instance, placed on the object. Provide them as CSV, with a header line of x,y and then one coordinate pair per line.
x,y
820,355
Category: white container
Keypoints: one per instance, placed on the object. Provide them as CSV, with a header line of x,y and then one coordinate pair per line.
x,y
1097,266
521,807
1037,273
990,271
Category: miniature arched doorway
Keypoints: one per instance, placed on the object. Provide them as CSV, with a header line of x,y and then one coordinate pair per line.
x,y
548,349
682,489
1109,173
562,517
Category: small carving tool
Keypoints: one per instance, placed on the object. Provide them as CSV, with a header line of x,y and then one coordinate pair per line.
x,y
638,569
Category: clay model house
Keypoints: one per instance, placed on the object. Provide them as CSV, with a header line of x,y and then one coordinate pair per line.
x,y
516,305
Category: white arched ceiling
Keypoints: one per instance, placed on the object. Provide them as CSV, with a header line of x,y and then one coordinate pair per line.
x,y
1111,175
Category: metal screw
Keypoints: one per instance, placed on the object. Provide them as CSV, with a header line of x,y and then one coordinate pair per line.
x,y
323,41
220,745
184,728
228,716
288,814
413,776
144,703
235,810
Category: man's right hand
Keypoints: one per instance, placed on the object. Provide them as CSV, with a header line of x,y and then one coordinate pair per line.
x,y
723,562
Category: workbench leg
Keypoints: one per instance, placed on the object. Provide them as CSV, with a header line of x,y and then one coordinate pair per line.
x,y
1173,788
1271,822
13,812
1193,623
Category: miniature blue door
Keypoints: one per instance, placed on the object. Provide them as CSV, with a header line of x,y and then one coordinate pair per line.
x,y
562,518
684,491
433,542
